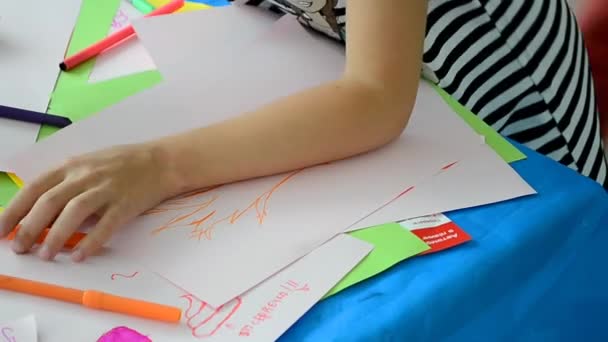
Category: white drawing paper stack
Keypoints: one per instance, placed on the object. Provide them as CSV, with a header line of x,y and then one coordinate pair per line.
x,y
223,256
310,208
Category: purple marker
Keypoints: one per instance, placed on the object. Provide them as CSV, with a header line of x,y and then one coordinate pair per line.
x,y
33,117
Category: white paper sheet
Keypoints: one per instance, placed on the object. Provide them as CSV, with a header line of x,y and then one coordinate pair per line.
x,y
19,330
480,178
33,38
220,34
127,58
134,56
262,314
280,226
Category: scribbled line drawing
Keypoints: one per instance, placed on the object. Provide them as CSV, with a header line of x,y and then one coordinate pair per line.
x,y
205,321
202,218
8,333
116,275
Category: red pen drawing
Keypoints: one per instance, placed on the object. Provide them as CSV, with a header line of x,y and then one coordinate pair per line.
x,y
205,321
8,334
202,218
411,188
266,311
116,275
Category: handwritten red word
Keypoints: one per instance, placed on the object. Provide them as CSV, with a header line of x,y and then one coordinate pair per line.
x,y
202,218
120,20
265,313
115,275
7,334
204,320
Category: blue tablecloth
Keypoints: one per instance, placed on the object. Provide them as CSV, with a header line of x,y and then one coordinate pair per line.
x,y
536,271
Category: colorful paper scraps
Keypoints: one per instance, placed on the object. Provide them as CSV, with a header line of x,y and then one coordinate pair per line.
x,y
188,5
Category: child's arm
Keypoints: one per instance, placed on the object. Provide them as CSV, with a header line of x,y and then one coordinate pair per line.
x,y
366,108
369,106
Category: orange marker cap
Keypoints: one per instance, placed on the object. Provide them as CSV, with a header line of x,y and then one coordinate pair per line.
x,y
104,301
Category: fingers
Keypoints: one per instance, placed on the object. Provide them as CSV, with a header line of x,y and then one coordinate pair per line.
x,y
25,199
99,235
42,214
71,218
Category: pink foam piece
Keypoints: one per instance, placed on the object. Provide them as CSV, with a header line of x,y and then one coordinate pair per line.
x,y
123,334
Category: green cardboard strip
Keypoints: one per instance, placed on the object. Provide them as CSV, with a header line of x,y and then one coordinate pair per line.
x,y
497,142
393,244
80,102
93,24
8,189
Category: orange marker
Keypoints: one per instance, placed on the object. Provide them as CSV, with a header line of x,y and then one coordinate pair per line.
x,y
115,38
93,299
71,243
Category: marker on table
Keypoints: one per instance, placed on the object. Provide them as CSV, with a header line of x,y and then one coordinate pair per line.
x,y
142,5
115,38
93,299
72,242
33,117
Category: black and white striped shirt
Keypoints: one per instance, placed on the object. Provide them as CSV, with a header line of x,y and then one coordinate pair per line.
x,y
520,65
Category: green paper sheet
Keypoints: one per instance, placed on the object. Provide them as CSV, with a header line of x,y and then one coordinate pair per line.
x,y
497,142
393,244
82,101
92,25
8,189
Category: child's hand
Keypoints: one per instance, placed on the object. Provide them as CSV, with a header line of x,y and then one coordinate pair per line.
x,y
115,185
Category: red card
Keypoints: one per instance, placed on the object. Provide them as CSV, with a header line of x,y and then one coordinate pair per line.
x,y
438,231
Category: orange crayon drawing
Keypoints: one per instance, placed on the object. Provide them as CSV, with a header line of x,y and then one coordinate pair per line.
x,y
267,311
205,321
115,275
202,218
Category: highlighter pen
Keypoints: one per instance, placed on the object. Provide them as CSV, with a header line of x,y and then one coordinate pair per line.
x,y
93,299
25,115
142,5
69,244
